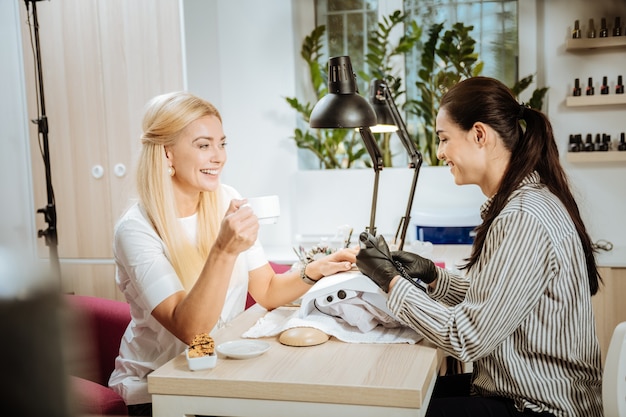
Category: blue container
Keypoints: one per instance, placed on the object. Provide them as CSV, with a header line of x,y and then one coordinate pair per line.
x,y
446,235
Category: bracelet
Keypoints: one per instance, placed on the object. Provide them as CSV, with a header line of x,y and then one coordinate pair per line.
x,y
307,279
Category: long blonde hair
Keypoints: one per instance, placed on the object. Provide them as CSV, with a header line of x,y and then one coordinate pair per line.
x,y
165,118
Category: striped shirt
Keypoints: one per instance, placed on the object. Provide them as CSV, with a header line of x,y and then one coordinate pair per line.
x,y
522,314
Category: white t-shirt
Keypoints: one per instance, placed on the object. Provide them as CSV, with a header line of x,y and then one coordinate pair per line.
x,y
146,277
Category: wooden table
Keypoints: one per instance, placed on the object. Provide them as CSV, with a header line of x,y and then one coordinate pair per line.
x,y
331,379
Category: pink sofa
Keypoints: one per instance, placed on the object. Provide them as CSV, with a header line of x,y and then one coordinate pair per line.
x,y
102,323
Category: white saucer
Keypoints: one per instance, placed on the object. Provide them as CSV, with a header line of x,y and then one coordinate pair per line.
x,y
243,349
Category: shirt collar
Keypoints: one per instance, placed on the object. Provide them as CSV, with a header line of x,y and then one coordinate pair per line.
x,y
532,178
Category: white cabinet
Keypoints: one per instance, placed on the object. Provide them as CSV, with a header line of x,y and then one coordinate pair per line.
x,y
102,60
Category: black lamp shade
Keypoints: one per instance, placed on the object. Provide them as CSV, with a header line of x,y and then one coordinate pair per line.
x,y
381,108
342,107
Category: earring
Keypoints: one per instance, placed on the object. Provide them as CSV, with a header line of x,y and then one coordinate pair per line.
x,y
171,171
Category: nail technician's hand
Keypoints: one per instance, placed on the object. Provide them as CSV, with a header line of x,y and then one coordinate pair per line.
x,y
374,260
416,266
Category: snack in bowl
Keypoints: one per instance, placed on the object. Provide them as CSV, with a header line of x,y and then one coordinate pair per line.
x,y
201,352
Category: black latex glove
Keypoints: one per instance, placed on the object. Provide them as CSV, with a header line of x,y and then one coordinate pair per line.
x,y
374,260
415,266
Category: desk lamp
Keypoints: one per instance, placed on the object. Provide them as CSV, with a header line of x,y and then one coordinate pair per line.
x,y
382,101
343,107
384,118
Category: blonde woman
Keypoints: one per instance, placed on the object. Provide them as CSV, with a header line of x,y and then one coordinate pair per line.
x,y
187,253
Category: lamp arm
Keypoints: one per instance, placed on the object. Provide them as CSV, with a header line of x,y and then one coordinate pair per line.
x,y
377,164
372,147
415,158
404,221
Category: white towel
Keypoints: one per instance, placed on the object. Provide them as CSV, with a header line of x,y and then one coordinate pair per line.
x,y
281,319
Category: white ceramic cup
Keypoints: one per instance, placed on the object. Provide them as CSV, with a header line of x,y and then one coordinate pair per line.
x,y
266,208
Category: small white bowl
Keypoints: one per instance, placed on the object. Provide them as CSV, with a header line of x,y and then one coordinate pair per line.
x,y
202,362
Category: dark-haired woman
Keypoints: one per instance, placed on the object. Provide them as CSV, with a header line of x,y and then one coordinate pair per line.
x,y
522,311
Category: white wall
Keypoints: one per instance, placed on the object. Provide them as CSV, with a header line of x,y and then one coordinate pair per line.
x,y
248,52
344,197
17,214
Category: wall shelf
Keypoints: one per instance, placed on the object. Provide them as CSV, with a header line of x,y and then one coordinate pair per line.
x,y
596,156
609,44
595,100
593,43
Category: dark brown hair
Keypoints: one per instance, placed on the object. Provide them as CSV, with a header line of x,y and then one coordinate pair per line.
x,y
527,134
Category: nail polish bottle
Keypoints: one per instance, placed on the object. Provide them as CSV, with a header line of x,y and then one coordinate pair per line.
x,y
597,142
573,144
604,88
619,87
601,143
576,31
617,29
577,91
604,31
590,89
622,143
591,32
588,147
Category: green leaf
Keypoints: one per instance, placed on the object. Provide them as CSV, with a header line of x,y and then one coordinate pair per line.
x,y
536,101
522,85
446,57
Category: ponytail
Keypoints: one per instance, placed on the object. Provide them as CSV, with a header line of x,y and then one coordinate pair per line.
x,y
527,134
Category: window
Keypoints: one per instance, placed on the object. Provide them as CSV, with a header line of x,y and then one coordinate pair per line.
x,y
495,30
347,24
495,33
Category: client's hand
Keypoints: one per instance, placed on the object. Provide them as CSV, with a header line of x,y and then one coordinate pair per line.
x,y
374,260
339,261
415,266
238,230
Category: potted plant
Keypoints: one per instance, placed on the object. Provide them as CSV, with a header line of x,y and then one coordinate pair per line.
x,y
381,52
342,148
334,148
447,57
445,60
